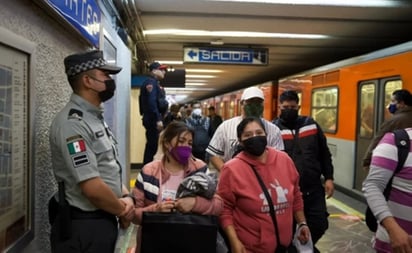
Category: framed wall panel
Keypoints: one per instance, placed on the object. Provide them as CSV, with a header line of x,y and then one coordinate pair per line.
x,y
16,170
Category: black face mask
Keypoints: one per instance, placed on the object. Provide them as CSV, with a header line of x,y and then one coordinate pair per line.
x,y
255,145
289,115
109,91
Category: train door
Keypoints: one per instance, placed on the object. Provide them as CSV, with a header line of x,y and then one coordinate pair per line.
x,y
374,97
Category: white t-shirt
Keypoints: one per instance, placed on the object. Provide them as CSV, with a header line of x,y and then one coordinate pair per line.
x,y
224,141
169,188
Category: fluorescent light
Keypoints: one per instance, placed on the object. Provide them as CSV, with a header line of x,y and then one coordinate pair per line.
x,y
194,84
354,3
176,97
186,89
196,81
170,62
204,71
200,76
192,33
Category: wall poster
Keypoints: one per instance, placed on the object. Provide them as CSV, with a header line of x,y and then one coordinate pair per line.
x,y
15,208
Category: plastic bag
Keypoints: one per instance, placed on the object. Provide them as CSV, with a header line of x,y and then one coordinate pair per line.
x,y
300,247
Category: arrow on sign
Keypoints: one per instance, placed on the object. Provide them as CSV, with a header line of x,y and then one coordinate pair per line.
x,y
192,54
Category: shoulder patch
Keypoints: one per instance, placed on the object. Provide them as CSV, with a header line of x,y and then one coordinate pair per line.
x,y
74,137
76,147
80,159
149,87
75,114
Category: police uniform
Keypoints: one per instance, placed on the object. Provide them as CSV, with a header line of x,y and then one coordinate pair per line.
x,y
151,95
82,148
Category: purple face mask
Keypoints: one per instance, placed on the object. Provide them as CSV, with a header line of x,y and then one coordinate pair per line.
x,y
181,154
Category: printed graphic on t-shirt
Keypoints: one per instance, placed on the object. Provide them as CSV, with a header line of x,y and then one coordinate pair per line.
x,y
280,192
169,188
281,202
168,195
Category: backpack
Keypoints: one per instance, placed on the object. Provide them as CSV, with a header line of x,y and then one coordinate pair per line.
x,y
201,136
402,142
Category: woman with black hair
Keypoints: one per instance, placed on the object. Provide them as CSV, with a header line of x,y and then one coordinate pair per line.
x,y
248,218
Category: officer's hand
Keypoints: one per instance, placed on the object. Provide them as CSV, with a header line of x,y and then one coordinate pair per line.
x,y
329,188
159,125
128,206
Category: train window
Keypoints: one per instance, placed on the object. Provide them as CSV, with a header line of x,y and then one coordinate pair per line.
x,y
300,102
231,109
223,112
367,98
325,108
390,87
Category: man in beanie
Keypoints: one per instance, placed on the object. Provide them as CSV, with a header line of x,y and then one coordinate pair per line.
x,y
83,214
153,107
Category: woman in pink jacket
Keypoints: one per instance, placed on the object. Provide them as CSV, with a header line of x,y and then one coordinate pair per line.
x,y
157,183
246,218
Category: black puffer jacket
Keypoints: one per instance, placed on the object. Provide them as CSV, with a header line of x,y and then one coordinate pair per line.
x,y
309,151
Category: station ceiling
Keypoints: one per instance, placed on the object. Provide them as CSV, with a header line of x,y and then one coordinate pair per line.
x,y
341,30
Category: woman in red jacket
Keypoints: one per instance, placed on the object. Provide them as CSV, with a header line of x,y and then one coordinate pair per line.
x,y
246,218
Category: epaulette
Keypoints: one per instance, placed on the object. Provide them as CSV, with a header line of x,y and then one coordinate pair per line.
x,y
75,114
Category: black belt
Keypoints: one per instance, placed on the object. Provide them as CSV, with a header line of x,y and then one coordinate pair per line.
x,y
78,214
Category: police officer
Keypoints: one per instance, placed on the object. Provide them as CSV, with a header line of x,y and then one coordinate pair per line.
x,y
85,162
153,106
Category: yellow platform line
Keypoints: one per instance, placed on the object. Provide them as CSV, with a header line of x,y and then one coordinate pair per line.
x,y
345,208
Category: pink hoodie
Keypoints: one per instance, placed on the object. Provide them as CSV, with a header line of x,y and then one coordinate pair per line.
x,y
245,206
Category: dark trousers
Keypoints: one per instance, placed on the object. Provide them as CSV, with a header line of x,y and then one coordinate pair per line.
x,y
90,232
316,214
152,139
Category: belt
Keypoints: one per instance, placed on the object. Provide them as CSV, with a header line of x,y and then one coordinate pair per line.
x,y
78,214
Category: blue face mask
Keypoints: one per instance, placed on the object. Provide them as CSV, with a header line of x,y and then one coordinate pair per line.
x,y
392,108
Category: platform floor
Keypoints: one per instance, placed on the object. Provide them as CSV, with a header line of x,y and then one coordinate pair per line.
x,y
347,232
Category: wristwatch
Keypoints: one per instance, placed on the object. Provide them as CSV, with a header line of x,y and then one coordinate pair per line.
x,y
302,223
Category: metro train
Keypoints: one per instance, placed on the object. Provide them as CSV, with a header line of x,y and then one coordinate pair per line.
x,y
348,99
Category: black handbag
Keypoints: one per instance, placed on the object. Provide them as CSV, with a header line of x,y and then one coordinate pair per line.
x,y
178,232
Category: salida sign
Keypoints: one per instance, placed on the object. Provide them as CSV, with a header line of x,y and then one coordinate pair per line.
x,y
250,56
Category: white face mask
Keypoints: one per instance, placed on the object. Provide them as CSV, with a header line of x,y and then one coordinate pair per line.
x,y
197,112
160,74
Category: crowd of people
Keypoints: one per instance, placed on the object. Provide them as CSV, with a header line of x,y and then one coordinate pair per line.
x,y
271,177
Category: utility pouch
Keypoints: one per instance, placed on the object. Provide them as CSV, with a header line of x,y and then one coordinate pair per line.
x,y
63,216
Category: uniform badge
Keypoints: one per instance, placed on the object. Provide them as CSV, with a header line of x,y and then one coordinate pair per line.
x,y
80,159
99,134
149,87
77,146
77,150
75,114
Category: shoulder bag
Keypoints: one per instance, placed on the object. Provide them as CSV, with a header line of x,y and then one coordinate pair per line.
x,y
280,248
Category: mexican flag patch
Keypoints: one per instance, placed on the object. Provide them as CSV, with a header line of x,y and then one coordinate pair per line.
x,y
76,147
